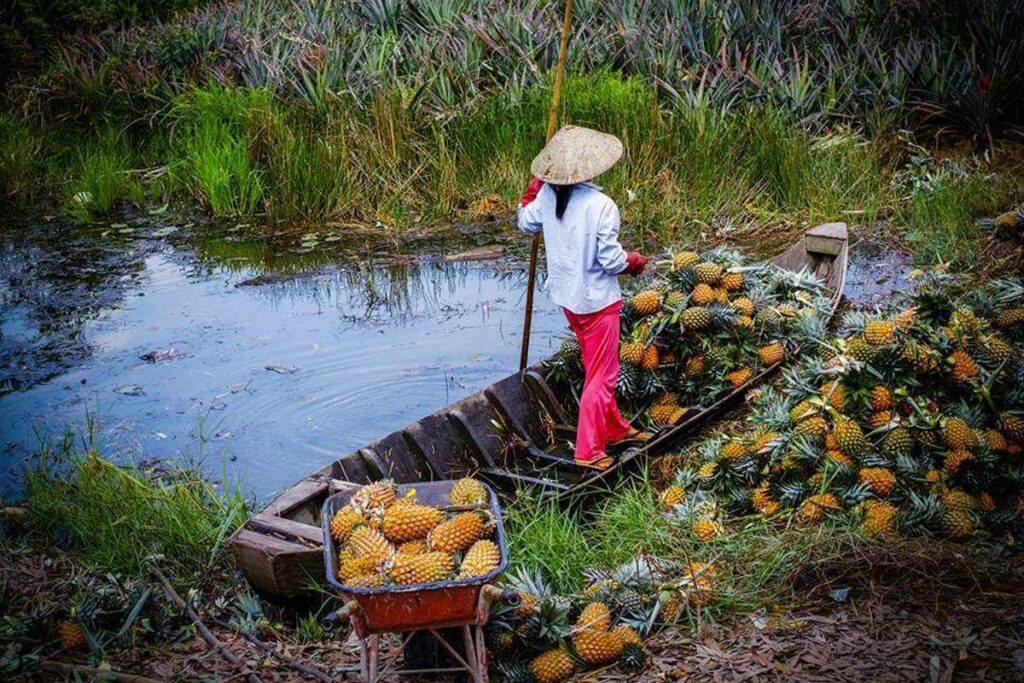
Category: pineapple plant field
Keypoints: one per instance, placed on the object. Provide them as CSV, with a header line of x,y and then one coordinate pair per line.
x,y
703,325
385,540
911,421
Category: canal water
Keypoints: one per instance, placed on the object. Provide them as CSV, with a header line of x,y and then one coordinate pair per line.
x,y
262,356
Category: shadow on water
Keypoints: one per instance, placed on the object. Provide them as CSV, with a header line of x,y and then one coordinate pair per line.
x,y
282,352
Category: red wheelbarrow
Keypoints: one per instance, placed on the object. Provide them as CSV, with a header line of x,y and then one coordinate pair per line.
x,y
419,609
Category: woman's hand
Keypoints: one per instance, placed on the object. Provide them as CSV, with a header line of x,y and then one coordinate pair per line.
x,y
531,191
635,263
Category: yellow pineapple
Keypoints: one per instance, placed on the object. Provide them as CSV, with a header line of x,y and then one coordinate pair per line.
x,y
697,318
707,470
702,295
745,321
850,437
672,496
705,529
733,281
815,507
649,360
674,299
666,413
71,634
959,435
409,521
745,306
376,496
880,480
879,332
763,502
766,441
632,352
594,615
879,518
343,522
694,365
597,646
814,427
839,458
468,491
482,558
356,566
739,377
734,450
417,547
553,666
367,581
685,259
708,273
881,398
458,533
772,353
964,368
956,461
906,319
426,568
647,302
627,635
366,542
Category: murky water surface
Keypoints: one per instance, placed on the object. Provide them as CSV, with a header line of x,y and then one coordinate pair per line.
x,y
268,356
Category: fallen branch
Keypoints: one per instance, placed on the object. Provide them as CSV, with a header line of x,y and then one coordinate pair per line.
x,y
290,661
92,671
201,627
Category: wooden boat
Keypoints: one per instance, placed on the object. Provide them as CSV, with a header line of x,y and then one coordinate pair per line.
x,y
505,433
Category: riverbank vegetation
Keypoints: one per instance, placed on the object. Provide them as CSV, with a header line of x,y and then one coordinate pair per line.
x,y
736,116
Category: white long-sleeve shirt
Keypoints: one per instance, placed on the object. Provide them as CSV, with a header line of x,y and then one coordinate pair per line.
x,y
584,256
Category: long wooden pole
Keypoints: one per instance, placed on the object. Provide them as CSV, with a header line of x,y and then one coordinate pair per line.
x,y
556,96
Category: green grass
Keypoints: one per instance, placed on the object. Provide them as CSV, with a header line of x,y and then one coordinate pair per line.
x,y
21,147
117,517
940,221
101,178
761,562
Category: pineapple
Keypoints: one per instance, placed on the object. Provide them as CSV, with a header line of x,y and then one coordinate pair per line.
x,y
632,352
956,500
666,413
995,441
879,518
552,666
627,635
834,394
685,259
768,317
697,318
426,568
881,399
880,480
879,332
706,529
707,470
744,305
1013,426
1012,321
482,558
417,547
959,435
986,502
959,524
956,461
816,506
356,566
595,615
649,360
703,295
997,350
763,502
71,634
674,300
672,496
708,273
597,646
410,521
772,353
766,441
739,377
733,451
344,520
906,320
457,533
850,438
815,427
647,302
366,542
468,491
374,497
802,410
898,442
732,282
964,368
840,459
367,581
745,321
694,365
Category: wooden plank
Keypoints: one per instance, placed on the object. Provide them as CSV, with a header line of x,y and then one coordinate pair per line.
x,y
277,567
542,391
525,479
303,533
440,446
351,467
459,419
518,408
375,466
297,495
403,464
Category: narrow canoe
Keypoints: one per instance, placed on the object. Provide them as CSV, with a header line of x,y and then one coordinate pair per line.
x,y
506,433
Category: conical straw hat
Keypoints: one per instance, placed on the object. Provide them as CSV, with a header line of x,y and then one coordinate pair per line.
x,y
576,154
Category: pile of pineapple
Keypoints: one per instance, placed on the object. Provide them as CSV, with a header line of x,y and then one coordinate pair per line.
x,y
700,326
386,540
913,422
549,637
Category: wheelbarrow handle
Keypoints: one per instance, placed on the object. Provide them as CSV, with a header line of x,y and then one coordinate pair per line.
x,y
339,616
508,596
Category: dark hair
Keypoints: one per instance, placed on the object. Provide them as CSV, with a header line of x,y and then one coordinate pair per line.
x,y
562,193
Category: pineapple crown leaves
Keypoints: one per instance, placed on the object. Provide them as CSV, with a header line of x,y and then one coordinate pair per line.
x,y
533,583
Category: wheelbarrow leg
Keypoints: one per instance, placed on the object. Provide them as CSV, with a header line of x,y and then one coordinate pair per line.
x,y
374,656
481,654
364,663
471,657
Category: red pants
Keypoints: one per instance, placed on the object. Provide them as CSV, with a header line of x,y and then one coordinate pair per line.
x,y
600,420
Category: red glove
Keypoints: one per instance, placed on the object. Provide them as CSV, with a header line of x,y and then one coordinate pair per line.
x,y
635,263
531,191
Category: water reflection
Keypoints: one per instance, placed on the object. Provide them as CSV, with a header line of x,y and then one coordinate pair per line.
x,y
284,359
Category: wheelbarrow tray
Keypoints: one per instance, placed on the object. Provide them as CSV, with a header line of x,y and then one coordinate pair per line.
x,y
419,606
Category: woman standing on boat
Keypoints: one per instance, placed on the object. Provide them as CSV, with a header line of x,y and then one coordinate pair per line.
x,y
584,259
